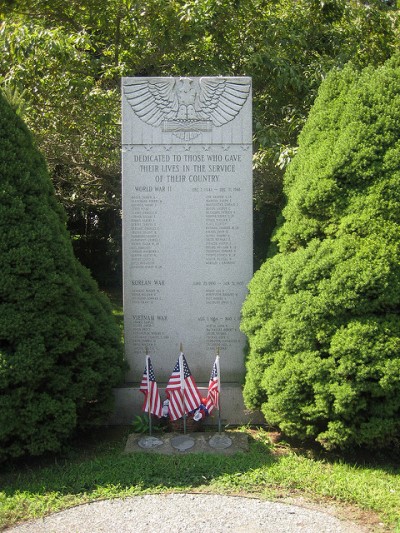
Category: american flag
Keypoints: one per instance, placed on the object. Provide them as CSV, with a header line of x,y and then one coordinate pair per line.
x,y
213,387
182,391
149,388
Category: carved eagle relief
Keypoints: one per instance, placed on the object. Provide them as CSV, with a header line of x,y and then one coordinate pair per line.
x,y
186,106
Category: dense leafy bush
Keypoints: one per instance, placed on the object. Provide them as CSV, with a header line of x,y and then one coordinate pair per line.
x,y
60,351
322,316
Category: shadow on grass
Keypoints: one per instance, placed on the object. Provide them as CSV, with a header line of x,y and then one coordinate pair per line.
x,y
383,459
97,460
96,465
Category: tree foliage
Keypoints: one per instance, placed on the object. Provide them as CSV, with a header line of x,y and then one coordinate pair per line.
x,y
60,352
66,59
322,316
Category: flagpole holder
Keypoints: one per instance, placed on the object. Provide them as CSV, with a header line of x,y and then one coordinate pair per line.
x,y
182,443
148,442
220,442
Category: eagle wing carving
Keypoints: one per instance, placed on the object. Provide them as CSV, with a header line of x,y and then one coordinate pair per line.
x,y
187,104
221,99
152,100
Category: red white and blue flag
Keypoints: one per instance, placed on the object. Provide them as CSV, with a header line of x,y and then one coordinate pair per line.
x,y
182,391
148,385
214,387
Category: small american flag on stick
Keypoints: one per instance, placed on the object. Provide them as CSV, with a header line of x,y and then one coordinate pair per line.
x,y
148,385
181,390
214,387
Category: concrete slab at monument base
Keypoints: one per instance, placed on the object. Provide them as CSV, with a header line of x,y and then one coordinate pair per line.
x,y
172,443
129,402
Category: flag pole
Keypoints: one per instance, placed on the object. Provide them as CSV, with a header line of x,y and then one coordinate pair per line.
x,y
148,390
219,390
182,379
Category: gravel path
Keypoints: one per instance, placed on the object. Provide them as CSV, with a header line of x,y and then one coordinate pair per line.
x,y
191,513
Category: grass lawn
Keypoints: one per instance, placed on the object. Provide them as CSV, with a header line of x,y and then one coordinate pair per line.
x,y
96,468
363,489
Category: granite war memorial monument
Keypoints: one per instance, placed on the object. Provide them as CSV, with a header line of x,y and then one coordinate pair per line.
x,y
187,226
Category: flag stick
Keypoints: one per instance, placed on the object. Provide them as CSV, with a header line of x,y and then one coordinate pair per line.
x,y
148,391
181,373
219,390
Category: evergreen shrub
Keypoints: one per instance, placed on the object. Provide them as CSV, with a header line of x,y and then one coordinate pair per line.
x,y
322,315
60,349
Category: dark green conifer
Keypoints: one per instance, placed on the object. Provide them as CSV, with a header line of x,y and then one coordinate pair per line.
x,y
322,316
60,351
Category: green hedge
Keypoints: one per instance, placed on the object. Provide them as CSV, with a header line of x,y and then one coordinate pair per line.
x,y
60,351
322,315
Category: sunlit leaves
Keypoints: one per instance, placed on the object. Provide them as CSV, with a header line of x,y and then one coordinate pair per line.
x,y
67,59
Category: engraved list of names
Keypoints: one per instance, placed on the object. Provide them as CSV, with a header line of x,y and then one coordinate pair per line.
x,y
187,221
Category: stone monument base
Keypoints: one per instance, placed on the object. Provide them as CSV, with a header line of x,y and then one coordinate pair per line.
x,y
172,443
129,402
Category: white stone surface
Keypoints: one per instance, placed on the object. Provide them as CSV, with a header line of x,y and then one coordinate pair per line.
x,y
187,222
190,513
